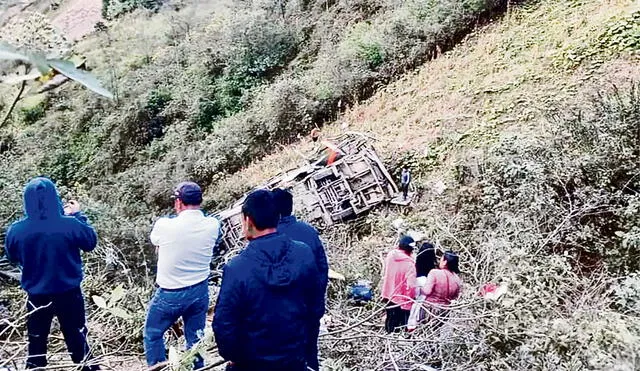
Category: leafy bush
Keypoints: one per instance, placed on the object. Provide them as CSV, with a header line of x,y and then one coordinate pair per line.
x,y
580,185
114,8
619,35
30,115
157,101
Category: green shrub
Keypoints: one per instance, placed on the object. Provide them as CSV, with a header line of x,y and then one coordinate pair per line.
x,y
364,43
581,184
619,35
114,8
157,100
31,115
33,108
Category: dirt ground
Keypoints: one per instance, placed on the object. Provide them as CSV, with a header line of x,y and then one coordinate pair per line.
x,y
77,18
74,18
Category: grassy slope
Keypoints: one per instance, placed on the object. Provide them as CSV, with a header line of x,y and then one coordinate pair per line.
x,y
502,79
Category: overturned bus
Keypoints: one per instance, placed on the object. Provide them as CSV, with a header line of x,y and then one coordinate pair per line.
x,y
345,180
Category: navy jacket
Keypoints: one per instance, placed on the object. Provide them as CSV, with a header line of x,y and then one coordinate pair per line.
x,y
268,294
303,232
47,244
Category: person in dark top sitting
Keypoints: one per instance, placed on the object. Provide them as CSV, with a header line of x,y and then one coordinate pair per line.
x,y
425,260
301,231
269,293
47,243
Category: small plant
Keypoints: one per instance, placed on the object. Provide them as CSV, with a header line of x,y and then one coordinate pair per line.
x,y
157,100
31,114
110,304
364,42
621,34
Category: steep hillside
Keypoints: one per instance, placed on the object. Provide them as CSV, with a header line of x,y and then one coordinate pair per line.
x,y
204,88
525,145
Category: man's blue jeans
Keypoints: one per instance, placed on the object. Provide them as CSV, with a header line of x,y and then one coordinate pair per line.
x,y
191,303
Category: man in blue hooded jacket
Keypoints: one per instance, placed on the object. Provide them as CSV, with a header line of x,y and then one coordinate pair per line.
x,y
47,245
269,293
300,231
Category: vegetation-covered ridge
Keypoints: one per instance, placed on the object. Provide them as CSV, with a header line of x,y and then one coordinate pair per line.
x,y
203,91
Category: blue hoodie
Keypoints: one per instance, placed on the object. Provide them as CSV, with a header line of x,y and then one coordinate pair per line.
x,y
269,292
47,244
303,232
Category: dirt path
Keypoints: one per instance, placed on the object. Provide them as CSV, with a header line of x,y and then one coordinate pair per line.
x,y
77,18
10,9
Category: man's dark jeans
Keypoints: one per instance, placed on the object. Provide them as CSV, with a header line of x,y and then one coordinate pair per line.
x,y
69,308
405,191
311,353
191,303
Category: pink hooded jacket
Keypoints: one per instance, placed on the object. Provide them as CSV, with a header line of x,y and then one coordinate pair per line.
x,y
399,279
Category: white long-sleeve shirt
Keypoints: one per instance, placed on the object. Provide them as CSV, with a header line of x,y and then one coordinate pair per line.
x,y
185,248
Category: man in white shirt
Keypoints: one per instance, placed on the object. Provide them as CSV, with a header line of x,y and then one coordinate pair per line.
x,y
185,246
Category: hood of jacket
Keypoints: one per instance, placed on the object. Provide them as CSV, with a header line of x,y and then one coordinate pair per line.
x,y
274,255
398,255
41,200
287,220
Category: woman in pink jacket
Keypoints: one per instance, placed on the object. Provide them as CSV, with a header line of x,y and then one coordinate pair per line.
x,y
398,284
442,286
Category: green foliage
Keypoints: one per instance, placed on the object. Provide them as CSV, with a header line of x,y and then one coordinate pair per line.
x,y
258,49
620,35
582,184
362,41
114,8
627,294
111,305
31,115
157,100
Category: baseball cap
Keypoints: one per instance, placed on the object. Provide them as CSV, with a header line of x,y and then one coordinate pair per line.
x,y
189,193
407,241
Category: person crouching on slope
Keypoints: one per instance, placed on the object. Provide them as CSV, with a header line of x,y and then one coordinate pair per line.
x,y
269,294
303,232
185,248
398,284
47,245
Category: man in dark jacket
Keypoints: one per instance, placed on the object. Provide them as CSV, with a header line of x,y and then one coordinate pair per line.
x,y
269,293
303,232
47,245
